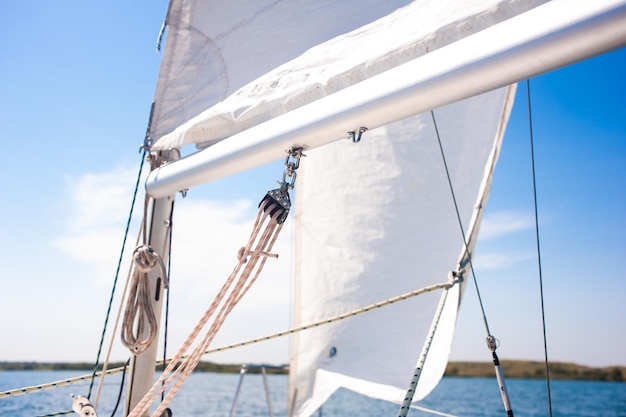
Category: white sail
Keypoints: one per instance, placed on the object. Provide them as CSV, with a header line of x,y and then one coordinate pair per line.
x,y
375,220
544,38
232,65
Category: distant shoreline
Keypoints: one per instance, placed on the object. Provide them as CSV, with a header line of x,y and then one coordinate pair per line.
x,y
511,369
537,370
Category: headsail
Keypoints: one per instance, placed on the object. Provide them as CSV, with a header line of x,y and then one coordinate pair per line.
x,y
375,220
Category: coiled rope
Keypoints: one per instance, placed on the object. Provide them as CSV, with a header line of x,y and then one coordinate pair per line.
x,y
138,306
251,261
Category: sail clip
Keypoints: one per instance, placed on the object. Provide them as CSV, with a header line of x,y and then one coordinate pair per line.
x,y
353,134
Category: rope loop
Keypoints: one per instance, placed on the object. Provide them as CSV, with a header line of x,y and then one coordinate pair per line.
x,y
139,328
146,259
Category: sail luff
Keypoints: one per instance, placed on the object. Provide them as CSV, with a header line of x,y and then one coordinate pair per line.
x,y
542,39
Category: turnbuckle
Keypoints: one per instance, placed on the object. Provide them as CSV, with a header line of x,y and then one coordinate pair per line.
x,y
492,343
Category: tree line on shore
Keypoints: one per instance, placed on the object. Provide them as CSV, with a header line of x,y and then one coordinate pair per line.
x,y
511,369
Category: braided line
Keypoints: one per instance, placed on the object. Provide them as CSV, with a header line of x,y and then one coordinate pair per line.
x,y
353,313
238,283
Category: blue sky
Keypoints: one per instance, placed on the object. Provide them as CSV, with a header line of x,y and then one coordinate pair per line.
x,y
77,82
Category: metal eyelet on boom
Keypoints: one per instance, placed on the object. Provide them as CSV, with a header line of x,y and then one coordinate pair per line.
x,y
357,138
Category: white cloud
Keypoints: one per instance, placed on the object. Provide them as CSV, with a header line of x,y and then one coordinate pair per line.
x,y
100,200
96,213
502,223
500,260
499,225
206,237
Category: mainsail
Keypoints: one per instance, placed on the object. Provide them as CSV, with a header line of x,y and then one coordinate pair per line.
x,y
228,66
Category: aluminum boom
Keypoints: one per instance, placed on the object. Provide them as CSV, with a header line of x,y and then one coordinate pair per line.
x,y
548,37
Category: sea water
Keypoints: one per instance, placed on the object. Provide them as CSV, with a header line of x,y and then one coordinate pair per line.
x,y
212,395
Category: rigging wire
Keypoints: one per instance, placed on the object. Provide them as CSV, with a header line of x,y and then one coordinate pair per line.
x,y
167,293
117,273
119,394
105,364
458,216
543,312
491,340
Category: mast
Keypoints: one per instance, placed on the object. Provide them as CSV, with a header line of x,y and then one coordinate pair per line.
x,y
158,224
545,38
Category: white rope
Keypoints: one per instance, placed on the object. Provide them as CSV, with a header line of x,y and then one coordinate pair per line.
x,y
353,313
139,328
408,398
245,273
